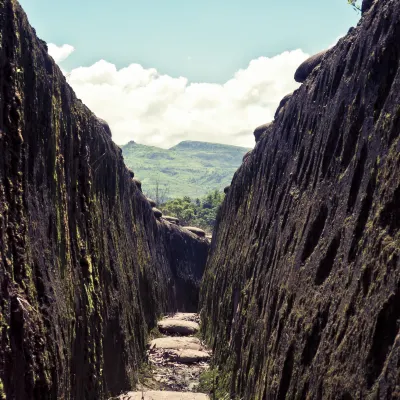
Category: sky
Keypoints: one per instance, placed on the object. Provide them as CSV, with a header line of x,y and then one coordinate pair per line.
x,y
160,72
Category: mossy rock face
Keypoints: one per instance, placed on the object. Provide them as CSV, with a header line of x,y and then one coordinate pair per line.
x,y
301,291
308,66
85,269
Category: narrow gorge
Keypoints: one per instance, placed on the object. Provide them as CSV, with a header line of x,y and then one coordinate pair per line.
x,y
299,289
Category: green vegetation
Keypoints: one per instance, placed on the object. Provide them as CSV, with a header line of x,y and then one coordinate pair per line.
x,y
188,169
200,212
2,394
215,382
355,4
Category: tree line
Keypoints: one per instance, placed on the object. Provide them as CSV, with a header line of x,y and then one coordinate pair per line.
x,y
200,212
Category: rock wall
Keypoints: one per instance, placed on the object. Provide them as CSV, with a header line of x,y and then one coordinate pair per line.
x,y
305,257
187,263
85,267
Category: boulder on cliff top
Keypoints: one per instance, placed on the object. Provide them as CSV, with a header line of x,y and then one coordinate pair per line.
x,y
308,66
138,183
282,104
157,213
178,326
172,219
258,132
197,231
105,125
152,202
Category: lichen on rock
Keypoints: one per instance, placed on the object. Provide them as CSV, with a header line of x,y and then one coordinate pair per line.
x,y
85,268
305,257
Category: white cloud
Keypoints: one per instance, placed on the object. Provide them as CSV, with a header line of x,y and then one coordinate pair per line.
x,y
142,105
60,53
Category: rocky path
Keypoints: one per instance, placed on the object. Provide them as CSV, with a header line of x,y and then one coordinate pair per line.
x,y
176,361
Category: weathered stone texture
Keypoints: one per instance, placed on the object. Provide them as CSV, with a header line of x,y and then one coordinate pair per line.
x,y
305,256
84,266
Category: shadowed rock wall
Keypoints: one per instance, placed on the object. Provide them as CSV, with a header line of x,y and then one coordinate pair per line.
x,y
84,266
305,257
187,257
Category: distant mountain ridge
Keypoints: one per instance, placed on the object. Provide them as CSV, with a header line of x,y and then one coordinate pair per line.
x,y
191,168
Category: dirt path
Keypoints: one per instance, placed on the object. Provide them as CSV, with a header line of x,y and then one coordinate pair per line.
x,y
176,360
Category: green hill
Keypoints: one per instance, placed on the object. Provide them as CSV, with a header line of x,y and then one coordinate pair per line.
x,y
188,169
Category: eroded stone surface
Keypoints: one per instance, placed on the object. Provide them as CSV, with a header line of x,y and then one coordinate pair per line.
x,y
176,343
158,395
188,356
196,231
186,317
177,326
301,292
176,363
308,66
84,265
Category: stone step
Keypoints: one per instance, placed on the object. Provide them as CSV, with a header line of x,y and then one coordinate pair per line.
x,y
176,326
188,356
176,343
186,316
157,395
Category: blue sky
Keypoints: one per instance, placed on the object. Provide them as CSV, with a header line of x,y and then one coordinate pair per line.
x,y
205,41
160,71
